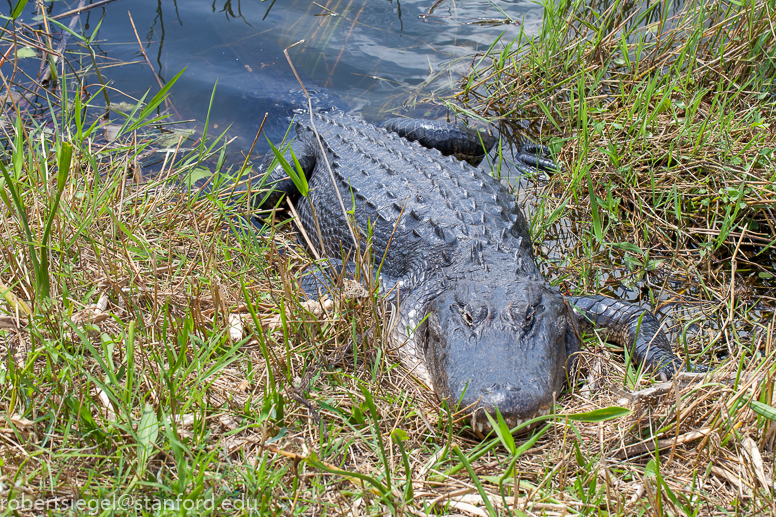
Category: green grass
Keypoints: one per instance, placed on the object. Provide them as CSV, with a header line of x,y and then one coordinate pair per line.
x,y
156,353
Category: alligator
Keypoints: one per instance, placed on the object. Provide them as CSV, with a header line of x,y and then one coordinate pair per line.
x,y
475,319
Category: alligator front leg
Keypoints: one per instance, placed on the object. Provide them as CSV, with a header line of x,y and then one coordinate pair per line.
x,y
630,326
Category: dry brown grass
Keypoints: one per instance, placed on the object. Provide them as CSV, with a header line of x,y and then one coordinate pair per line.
x,y
173,355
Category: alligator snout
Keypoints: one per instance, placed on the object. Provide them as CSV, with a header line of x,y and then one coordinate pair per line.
x,y
497,388
519,404
514,402
498,395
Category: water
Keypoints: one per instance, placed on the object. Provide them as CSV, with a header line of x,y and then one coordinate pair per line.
x,y
367,57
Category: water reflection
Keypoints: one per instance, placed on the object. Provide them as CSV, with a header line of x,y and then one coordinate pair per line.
x,y
366,57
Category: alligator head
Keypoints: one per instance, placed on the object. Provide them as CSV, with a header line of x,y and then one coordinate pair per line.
x,y
499,343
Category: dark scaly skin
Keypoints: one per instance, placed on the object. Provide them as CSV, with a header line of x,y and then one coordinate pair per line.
x,y
630,326
450,139
475,319
537,156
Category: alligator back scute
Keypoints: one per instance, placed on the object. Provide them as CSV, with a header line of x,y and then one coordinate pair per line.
x,y
389,182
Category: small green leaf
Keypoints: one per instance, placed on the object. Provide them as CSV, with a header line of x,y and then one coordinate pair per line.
x,y
83,412
26,52
627,246
761,409
409,493
502,431
295,173
281,433
632,263
594,209
599,415
65,156
651,469
198,174
399,434
357,416
664,105
578,455
653,264
301,181
7,200
17,11
147,432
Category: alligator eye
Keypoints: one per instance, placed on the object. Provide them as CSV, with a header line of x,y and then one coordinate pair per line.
x,y
529,318
518,312
473,314
524,315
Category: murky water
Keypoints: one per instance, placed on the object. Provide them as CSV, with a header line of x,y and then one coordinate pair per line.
x,y
367,57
